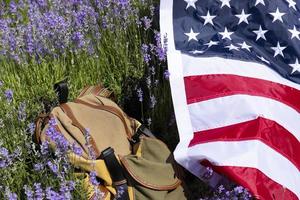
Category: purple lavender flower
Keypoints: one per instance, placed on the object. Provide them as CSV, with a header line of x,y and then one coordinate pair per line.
x,y
76,149
149,122
146,55
152,70
93,178
148,82
4,152
42,3
208,174
53,167
98,194
123,3
52,122
160,52
153,101
144,48
220,189
71,185
3,164
60,141
238,189
146,22
9,95
91,151
17,153
52,195
147,58
22,112
38,167
45,148
78,39
31,128
66,187
140,94
38,191
159,49
28,191
13,7
166,74
10,195
120,192
227,193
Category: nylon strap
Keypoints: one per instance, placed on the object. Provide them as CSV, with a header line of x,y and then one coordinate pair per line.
x,y
142,130
116,173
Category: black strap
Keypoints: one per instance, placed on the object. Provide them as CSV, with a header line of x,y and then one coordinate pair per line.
x,y
62,91
142,130
116,173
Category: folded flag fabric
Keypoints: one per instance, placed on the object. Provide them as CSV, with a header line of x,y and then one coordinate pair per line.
x,y
235,79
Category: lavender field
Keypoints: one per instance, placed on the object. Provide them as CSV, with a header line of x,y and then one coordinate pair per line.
x,y
115,42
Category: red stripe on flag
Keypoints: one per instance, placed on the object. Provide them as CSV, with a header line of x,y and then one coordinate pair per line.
x,y
204,87
260,185
267,131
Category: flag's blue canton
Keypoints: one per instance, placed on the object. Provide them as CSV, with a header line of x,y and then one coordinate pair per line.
x,y
266,31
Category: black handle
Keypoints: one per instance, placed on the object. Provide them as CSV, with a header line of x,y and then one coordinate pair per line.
x,y
62,91
116,173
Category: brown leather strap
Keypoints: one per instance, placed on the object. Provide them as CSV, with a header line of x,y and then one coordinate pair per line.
x,y
110,109
98,90
83,92
38,127
67,110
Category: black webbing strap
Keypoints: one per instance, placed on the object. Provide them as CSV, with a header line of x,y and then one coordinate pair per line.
x,y
62,91
142,130
116,173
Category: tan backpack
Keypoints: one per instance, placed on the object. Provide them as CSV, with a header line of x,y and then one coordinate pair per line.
x,y
130,163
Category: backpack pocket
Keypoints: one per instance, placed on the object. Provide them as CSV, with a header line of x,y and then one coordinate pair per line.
x,y
151,172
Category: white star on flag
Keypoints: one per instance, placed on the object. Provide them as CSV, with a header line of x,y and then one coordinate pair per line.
x,y
296,66
292,4
226,34
277,15
243,17
295,33
278,50
244,45
225,3
232,47
192,35
260,33
208,18
190,3
259,1
211,43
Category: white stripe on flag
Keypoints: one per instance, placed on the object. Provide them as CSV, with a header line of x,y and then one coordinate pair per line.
x,y
253,154
178,96
215,65
229,110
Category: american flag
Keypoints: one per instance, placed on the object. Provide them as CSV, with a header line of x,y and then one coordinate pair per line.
x,y
235,74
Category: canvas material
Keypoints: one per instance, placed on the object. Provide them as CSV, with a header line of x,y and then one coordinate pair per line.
x,y
112,128
104,127
151,172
